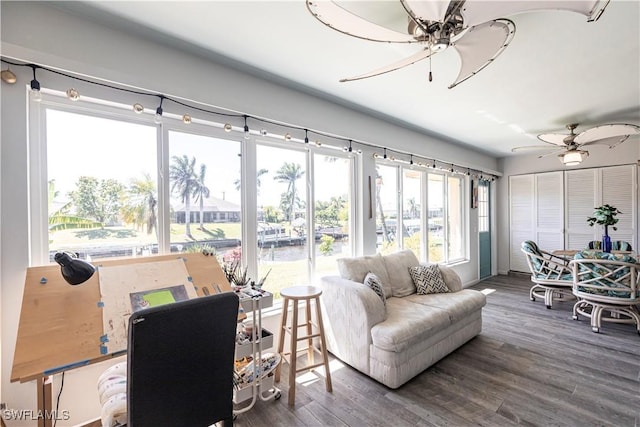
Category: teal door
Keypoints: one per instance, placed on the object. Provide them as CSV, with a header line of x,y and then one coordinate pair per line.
x,y
484,228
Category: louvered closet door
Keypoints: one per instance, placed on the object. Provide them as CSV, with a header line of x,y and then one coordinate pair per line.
x,y
521,218
581,188
549,209
619,190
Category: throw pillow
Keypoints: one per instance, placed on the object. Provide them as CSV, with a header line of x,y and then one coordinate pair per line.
x,y
372,281
428,279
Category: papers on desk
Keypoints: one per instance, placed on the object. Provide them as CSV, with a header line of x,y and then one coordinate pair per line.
x,y
130,287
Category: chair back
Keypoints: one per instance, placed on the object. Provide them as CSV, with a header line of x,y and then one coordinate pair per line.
x,y
533,254
616,245
181,361
606,277
595,244
545,268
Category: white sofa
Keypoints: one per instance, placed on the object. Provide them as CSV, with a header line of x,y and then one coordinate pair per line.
x,y
394,343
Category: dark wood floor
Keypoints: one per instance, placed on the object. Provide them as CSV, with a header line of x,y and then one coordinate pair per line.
x,y
529,366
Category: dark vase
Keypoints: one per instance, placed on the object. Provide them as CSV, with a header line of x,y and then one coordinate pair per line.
x,y
606,243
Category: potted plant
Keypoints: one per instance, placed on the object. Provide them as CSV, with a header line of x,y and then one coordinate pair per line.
x,y
605,215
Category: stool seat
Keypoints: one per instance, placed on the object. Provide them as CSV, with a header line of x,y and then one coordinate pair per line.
x,y
302,294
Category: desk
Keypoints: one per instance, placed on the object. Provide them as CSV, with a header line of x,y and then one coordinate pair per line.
x,y
60,325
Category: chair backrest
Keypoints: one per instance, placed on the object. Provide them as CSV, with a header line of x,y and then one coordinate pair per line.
x,y
606,277
536,263
616,245
595,244
181,361
621,245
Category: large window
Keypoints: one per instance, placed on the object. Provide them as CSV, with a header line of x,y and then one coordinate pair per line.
x,y
282,196
118,184
332,211
101,184
204,188
432,223
411,211
386,207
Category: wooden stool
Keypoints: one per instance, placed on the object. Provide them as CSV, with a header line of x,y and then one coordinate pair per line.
x,y
296,294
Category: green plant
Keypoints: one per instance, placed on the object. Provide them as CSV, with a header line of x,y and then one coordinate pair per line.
x,y
604,215
326,245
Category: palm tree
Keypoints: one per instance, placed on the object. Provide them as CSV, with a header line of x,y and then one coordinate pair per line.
x,y
183,182
201,192
141,204
258,182
289,173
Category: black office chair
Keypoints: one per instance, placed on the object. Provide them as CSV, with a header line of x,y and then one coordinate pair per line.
x,y
180,363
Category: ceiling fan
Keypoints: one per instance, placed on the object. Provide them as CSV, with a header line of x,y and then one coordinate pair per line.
x,y
474,29
570,146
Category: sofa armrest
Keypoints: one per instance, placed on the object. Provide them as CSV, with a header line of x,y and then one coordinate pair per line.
x,y
350,309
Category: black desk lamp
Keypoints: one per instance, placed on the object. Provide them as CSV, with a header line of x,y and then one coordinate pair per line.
x,y
74,270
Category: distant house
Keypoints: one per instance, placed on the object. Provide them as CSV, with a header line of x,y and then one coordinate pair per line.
x,y
214,210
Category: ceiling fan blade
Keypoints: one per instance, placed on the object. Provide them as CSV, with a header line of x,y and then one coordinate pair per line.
x,y
534,147
480,45
475,12
610,142
553,138
552,153
433,10
340,19
423,54
606,131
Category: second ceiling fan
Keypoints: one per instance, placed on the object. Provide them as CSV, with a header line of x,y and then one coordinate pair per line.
x,y
568,147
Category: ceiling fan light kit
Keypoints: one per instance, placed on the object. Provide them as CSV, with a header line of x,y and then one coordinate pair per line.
x,y
573,158
475,30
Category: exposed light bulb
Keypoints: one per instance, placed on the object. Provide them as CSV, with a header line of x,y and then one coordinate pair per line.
x,y
186,119
73,94
306,136
411,159
228,127
36,95
8,76
138,108
158,118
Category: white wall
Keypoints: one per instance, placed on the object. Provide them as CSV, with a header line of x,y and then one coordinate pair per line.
x,y
626,153
37,32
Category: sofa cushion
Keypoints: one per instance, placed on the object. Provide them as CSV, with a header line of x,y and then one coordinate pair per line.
x,y
357,268
397,265
406,326
458,305
428,279
373,282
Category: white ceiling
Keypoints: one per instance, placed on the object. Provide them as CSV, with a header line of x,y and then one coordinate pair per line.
x,y
558,69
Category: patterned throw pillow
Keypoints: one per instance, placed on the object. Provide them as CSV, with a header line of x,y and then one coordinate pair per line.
x,y
428,279
372,281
